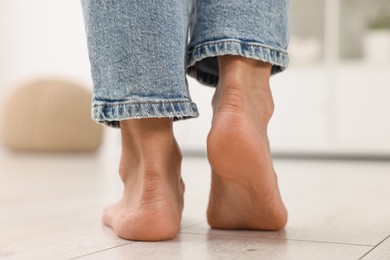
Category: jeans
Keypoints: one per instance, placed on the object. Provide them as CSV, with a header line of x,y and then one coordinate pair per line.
x,y
141,50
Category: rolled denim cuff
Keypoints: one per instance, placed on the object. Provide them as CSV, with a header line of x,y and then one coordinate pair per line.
x,y
202,62
110,113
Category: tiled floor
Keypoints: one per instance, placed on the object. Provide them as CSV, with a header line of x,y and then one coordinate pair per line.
x,y
50,208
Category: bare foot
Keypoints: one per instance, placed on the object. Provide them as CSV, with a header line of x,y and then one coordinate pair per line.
x,y
152,202
244,190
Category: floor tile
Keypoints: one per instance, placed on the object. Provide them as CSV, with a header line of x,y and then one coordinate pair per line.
x,y
51,205
190,246
382,251
328,201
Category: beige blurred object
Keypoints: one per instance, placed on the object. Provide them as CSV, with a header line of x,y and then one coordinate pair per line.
x,y
50,115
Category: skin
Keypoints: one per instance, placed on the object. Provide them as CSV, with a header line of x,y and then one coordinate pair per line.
x,y
244,191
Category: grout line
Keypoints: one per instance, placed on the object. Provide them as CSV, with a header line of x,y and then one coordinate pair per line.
x,y
99,251
289,239
376,246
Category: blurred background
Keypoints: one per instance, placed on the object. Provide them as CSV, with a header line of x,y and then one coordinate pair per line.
x,y
58,169
332,101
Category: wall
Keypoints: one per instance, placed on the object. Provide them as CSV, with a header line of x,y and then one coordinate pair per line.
x,y
319,108
39,38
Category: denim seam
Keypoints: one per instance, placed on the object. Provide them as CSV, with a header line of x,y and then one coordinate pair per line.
x,y
213,48
242,42
139,102
110,114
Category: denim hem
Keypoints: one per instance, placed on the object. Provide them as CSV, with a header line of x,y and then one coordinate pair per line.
x,y
249,49
110,113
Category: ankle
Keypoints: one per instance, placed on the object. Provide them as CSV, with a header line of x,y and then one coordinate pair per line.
x,y
244,70
244,84
149,148
228,97
263,97
140,129
254,101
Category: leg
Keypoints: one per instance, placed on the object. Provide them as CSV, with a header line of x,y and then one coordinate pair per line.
x,y
244,192
238,58
152,200
137,59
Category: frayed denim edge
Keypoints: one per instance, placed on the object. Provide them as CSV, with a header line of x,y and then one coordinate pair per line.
x,y
110,114
278,58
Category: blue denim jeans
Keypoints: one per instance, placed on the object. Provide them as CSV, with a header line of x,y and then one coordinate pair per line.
x,y
141,50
